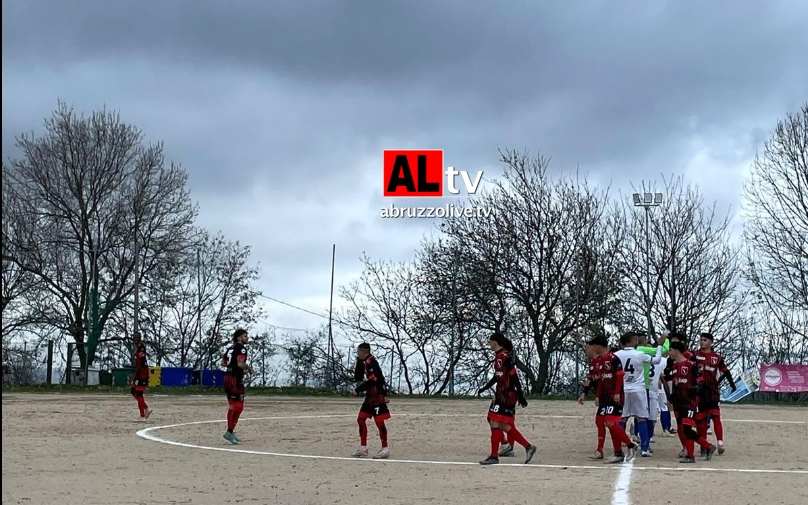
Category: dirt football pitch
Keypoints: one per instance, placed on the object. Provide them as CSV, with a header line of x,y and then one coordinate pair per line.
x,y
90,449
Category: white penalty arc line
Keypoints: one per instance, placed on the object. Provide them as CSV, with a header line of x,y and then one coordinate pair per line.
x,y
147,434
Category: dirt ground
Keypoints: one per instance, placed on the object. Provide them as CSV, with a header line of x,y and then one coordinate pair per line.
x,y
83,449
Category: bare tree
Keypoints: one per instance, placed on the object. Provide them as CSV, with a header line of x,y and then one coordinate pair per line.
x,y
556,258
694,270
91,203
382,310
777,225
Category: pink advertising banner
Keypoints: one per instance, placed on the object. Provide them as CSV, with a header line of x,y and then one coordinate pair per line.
x,y
784,378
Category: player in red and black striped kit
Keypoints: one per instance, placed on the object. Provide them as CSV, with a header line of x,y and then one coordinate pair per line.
x,y
713,369
236,363
507,394
369,375
589,383
140,381
606,377
684,383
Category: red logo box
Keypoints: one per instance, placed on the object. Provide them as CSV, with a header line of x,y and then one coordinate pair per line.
x,y
413,172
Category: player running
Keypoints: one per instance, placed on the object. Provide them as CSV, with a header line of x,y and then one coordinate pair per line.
x,y
683,379
507,393
371,382
236,363
636,395
711,364
606,375
141,379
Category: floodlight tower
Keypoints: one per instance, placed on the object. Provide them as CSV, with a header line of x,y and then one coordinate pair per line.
x,y
648,201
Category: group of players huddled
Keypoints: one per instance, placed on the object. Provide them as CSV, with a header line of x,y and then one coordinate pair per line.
x,y
636,381
629,383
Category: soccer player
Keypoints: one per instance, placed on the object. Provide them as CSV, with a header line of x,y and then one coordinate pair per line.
x,y
684,384
711,364
507,438
236,363
636,396
652,373
141,379
607,376
371,382
507,393
590,383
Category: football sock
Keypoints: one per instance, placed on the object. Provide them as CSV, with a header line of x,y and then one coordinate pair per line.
x,y
665,419
382,431
645,437
719,427
363,431
496,436
513,434
600,423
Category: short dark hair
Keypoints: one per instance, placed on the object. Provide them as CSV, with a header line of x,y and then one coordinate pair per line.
x,y
626,337
238,333
365,346
707,335
678,345
678,335
599,340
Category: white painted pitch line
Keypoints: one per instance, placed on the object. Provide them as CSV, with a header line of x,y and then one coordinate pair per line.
x,y
622,484
147,435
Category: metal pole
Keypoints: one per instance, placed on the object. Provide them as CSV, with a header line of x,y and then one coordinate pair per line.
x,y
199,311
137,287
330,310
648,268
50,362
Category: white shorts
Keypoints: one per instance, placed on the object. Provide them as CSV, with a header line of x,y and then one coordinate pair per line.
x,y
635,403
653,406
662,401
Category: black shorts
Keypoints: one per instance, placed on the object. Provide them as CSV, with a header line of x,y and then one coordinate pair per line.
x,y
140,382
686,412
610,410
379,410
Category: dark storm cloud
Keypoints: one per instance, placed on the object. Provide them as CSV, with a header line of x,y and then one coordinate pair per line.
x,y
280,109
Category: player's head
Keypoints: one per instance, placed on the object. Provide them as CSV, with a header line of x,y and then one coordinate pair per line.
x,y
678,336
706,341
498,341
677,350
363,350
642,338
240,336
140,345
598,345
629,339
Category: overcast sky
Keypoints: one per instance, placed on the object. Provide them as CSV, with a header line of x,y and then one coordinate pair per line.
x,y
281,110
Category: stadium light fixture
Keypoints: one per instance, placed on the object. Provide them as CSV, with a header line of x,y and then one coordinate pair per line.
x,y
647,199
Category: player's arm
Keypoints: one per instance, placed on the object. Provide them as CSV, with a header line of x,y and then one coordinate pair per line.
x,y
519,391
617,366
588,384
487,385
726,374
373,373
